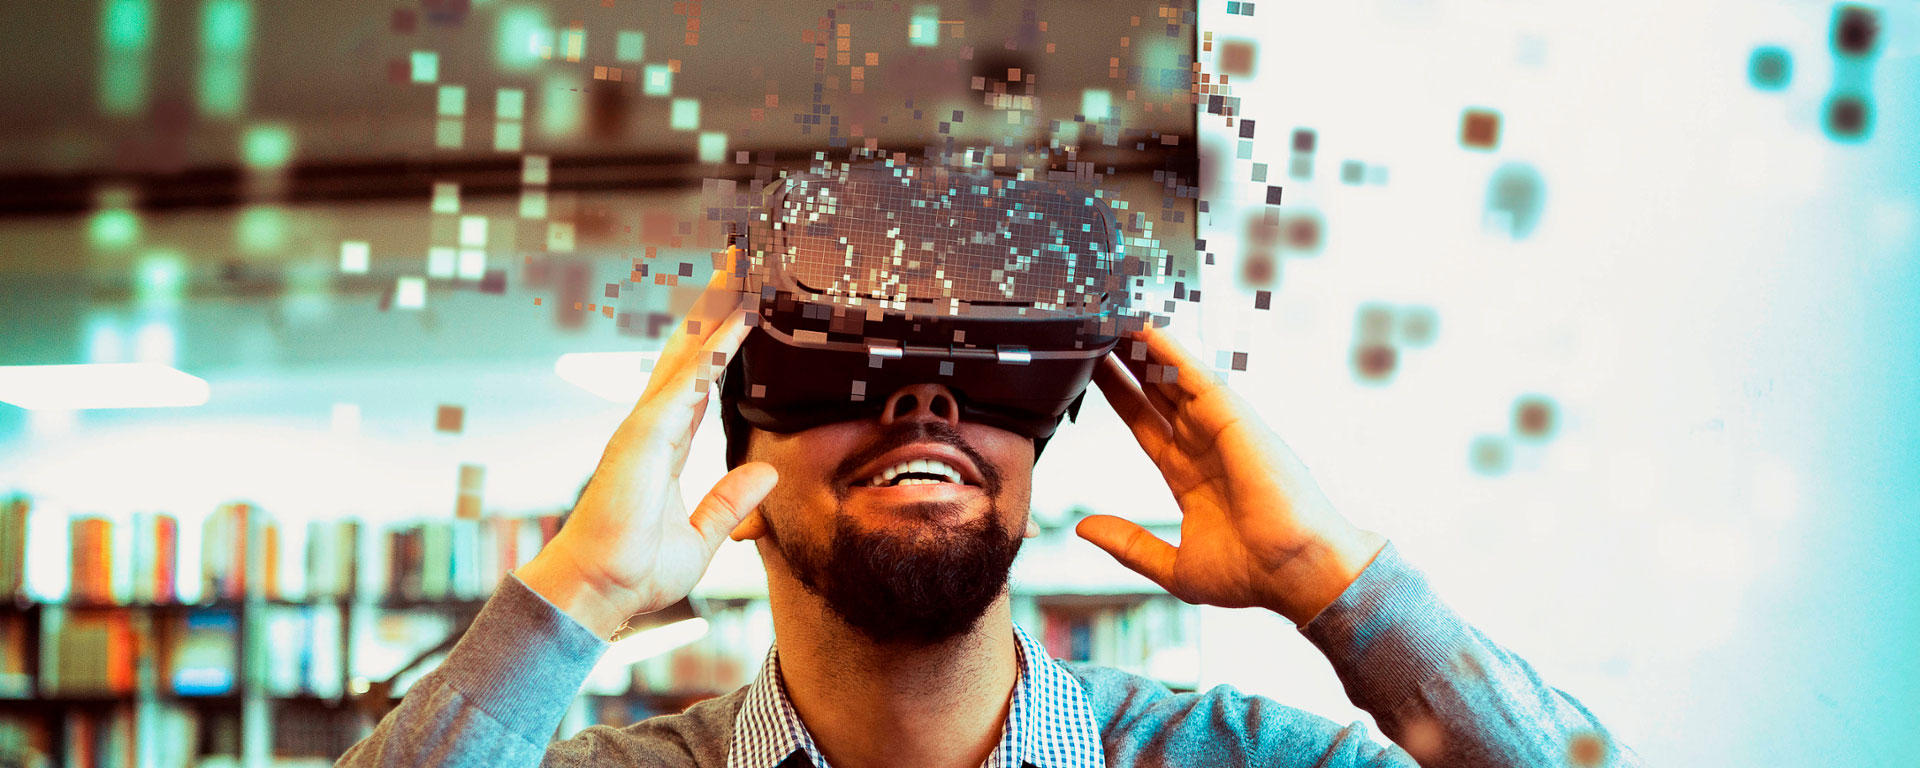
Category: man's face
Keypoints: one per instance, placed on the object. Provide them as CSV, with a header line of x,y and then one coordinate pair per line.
x,y
905,525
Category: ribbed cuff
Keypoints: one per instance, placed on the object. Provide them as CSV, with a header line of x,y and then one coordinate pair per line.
x,y
523,660
1387,634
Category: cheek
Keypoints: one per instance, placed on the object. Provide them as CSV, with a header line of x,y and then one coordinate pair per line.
x,y
805,461
1012,455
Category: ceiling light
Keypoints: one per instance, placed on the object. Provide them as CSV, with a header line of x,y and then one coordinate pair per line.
x,y
100,385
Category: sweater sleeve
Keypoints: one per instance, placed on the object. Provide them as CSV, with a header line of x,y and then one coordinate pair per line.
x,y
498,697
1441,690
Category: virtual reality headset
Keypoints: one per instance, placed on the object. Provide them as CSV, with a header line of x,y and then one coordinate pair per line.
x,y
874,276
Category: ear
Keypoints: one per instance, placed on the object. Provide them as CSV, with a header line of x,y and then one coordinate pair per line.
x,y
1033,529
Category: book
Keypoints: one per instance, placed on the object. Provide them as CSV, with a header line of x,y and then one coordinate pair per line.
x,y
86,651
270,561
13,547
303,650
25,740
16,678
436,560
91,579
204,653
1151,636
83,749
223,552
332,552
155,558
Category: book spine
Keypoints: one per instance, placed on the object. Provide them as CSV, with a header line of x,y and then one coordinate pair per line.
x,y
13,546
508,532
437,560
92,578
120,652
319,561
270,561
549,526
530,541
242,528
349,580
166,586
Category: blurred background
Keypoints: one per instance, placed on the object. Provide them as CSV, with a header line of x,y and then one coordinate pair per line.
x,y
315,317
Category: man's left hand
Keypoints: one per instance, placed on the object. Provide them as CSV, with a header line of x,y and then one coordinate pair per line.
x,y
1255,530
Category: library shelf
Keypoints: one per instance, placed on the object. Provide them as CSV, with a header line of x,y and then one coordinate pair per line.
x,y
116,699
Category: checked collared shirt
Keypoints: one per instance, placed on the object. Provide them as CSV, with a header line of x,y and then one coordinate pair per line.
x,y
1401,653
1050,723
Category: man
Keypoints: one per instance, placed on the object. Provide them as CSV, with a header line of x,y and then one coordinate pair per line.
x,y
887,584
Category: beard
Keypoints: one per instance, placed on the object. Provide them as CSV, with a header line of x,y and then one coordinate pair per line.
x,y
913,585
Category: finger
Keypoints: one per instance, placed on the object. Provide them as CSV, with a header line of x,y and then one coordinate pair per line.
x,y
695,328
686,400
1199,406
731,500
1149,426
1146,375
706,364
662,424
1189,378
1138,550
709,310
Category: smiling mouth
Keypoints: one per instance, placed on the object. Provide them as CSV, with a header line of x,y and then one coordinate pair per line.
x,y
915,472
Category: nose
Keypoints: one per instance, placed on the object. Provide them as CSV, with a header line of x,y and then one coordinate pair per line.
x,y
918,401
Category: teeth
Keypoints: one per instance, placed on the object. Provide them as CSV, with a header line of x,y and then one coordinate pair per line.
x,y
920,466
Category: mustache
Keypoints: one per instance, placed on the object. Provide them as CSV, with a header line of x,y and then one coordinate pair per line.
x,y
908,433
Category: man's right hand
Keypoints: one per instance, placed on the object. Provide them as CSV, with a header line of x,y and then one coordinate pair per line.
x,y
629,547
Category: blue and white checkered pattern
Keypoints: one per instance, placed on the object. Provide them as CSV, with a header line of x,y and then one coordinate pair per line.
x,y
1049,725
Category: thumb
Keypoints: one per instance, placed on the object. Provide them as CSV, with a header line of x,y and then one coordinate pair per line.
x,y
731,500
1136,548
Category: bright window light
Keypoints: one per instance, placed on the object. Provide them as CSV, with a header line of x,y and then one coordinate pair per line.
x,y
100,385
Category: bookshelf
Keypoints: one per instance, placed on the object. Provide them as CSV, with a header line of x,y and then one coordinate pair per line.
x,y
303,637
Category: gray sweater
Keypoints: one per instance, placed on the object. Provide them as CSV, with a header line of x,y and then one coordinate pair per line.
x,y
1435,685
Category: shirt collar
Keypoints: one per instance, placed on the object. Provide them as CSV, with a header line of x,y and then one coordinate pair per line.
x,y
1049,724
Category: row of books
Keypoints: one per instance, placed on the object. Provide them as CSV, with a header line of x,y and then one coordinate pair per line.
x,y
461,558
98,652
148,571
1153,636
118,737
138,560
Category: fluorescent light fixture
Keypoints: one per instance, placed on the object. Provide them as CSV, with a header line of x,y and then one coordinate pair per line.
x,y
648,643
100,385
616,376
